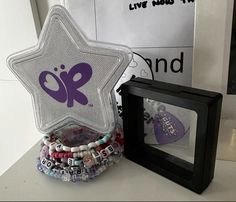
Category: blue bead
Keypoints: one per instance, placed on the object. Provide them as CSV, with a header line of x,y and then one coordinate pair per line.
x,y
78,162
39,167
47,172
108,135
51,174
105,139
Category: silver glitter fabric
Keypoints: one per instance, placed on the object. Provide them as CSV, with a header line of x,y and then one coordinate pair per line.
x,y
70,77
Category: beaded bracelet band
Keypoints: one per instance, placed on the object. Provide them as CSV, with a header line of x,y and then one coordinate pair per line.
x,y
75,175
105,149
58,146
60,157
92,156
80,170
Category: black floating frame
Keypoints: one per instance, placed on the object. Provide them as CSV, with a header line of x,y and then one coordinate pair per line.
x,y
206,104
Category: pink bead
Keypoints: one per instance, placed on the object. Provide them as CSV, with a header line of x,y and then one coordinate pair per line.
x,y
56,155
70,155
61,155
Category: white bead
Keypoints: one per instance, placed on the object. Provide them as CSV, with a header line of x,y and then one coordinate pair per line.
x,y
74,169
97,143
109,149
45,138
57,163
52,146
71,162
49,164
80,154
84,177
65,148
59,147
83,147
75,155
44,161
46,142
97,157
92,145
86,153
75,149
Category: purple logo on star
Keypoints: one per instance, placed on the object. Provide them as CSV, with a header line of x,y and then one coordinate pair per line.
x,y
68,88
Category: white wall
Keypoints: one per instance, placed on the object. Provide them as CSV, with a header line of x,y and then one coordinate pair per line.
x,y
211,64
17,128
19,30
211,50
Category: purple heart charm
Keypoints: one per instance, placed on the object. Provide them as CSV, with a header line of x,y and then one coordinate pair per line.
x,y
167,128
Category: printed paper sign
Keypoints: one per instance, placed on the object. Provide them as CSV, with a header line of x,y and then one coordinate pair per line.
x,y
160,33
159,30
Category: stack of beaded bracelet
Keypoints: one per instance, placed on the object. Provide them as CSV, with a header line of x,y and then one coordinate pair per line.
x,y
61,158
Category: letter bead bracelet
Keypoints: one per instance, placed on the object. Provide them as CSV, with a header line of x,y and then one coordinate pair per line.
x,y
60,157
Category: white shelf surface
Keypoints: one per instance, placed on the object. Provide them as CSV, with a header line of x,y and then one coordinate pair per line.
x,y
124,181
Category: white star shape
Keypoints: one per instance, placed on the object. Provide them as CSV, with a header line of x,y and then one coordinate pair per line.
x,y
70,77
